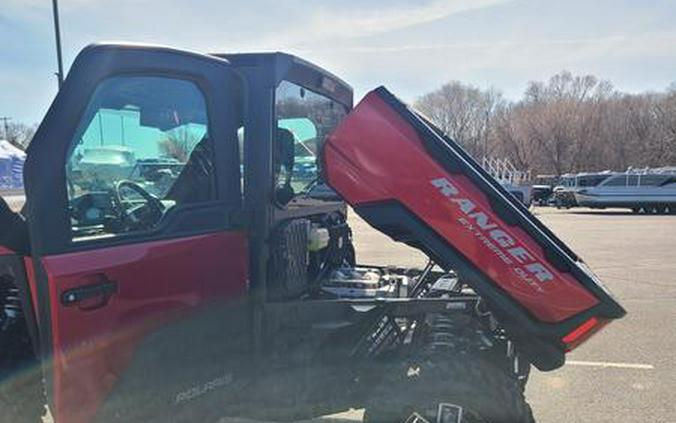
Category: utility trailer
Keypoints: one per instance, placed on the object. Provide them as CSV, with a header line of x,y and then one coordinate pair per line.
x,y
226,282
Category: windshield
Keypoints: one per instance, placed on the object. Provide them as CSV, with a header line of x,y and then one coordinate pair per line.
x,y
567,181
304,120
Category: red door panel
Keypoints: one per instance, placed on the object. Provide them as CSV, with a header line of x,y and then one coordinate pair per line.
x,y
156,282
127,287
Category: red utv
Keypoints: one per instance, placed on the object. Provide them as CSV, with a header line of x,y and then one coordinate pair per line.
x,y
212,272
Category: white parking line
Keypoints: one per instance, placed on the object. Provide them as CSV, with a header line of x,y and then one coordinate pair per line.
x,y
606,364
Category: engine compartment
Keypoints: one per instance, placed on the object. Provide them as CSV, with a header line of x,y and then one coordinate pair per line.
x,y
365,282
314,259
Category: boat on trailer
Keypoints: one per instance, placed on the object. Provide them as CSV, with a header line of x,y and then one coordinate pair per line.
x,y
641,190
564,192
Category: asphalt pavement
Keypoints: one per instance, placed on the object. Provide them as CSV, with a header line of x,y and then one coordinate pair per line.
x,y
627,372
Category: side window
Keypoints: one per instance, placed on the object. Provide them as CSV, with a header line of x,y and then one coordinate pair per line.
x,y
651,180
141,149
617,181
599,179
592,181
304,119
585,182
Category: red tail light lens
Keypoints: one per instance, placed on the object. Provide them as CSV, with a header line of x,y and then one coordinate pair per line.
x,y
583,332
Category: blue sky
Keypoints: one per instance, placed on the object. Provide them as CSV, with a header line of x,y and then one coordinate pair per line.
x,y
410,46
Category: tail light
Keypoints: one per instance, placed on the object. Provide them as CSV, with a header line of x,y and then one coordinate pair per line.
x,y
583,332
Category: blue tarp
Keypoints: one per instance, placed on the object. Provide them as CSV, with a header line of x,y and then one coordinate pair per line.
x,y
11,166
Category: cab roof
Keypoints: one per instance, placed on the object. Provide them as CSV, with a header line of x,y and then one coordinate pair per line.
x,y
278,66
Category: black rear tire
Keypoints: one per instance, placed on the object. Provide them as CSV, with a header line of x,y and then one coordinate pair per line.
x,y
459,373
450,390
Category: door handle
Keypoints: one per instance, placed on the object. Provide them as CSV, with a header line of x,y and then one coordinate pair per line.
x,y
91,296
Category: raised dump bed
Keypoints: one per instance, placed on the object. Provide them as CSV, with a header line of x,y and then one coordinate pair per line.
x,y
403,176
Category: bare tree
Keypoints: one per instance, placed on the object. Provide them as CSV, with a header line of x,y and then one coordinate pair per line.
x,y
178,144
665,113
563,117
464,113
19,134
568,123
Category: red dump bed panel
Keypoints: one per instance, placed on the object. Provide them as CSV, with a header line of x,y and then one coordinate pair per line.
x,y
406,179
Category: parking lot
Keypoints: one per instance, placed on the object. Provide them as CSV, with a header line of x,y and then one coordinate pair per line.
x,y
626,373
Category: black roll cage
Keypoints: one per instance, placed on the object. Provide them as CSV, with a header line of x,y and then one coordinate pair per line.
x,y
263,72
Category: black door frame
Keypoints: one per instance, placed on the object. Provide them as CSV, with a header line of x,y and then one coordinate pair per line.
x,y
47,208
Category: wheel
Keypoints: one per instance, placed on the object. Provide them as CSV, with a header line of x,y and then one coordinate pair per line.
x,y
458,374
450,390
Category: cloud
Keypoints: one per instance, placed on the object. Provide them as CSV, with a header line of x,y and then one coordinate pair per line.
x,y
410,45
509,64
614,44
362,21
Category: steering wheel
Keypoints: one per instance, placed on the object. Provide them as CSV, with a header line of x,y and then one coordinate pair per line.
x,y
141,216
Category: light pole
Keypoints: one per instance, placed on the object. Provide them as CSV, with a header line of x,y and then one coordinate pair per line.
x,y
57,36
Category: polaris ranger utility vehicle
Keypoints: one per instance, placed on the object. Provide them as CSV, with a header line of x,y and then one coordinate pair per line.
x,y
217,276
